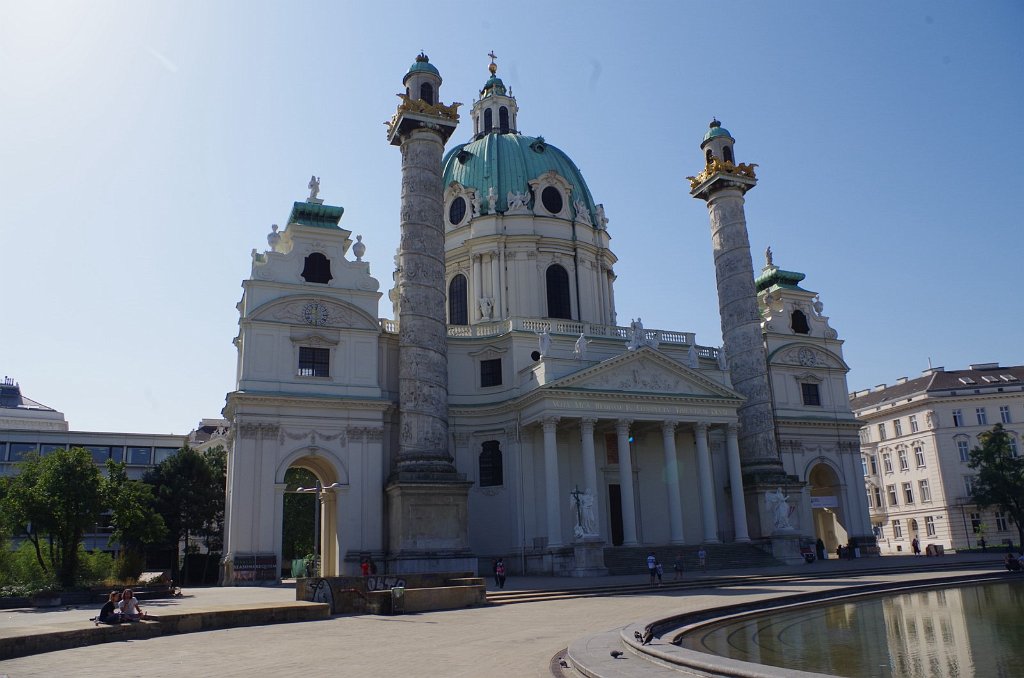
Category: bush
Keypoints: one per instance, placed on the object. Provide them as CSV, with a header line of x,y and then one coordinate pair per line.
x,y
129,565
94,566
23,573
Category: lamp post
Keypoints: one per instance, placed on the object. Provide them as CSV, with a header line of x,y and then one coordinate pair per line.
x,y
318,490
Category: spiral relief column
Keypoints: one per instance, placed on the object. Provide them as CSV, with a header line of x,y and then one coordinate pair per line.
x,y
427,498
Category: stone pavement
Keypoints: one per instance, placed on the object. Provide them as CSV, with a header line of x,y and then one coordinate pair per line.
x,y
506,640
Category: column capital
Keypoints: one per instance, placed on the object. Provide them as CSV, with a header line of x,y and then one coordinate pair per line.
x,y
701,427
622,425
732,428
669,426
550,422
588,421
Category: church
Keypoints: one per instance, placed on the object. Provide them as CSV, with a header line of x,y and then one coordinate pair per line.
x,y
507,411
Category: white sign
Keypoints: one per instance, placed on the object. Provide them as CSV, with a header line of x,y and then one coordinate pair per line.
x,y
824,502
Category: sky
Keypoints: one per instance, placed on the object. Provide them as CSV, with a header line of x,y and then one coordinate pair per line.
x,y
148,147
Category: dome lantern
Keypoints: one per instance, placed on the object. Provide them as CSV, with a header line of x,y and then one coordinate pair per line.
x,y
496,109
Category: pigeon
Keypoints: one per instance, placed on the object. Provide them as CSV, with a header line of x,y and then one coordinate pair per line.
x,y
615,654
564,664
647,636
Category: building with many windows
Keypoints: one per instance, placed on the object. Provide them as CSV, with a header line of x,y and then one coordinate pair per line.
x,y
916,438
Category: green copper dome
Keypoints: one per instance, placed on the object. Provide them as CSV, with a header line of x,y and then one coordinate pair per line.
x,y
773,276
494,85
421,65
715,129
508,162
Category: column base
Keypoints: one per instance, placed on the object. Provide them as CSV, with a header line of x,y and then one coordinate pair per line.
x,y
786,547
428,521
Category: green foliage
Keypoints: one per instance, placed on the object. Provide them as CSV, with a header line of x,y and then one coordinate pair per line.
x,y
1000,476
96,567
189,496
136,523
22,575
297,538
129,565
56,498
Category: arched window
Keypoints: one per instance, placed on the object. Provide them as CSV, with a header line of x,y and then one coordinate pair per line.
x,y
708,156
427,93
558,293
727,153
490,465
488,120
458,306
503,120
798,321
317,269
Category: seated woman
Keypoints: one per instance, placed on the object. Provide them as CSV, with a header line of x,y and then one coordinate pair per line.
x,y
1012,564
130,609
109,613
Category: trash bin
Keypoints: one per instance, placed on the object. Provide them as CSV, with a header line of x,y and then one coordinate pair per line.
x,y
398,600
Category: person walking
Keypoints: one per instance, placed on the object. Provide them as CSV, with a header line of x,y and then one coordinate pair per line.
x,y
677,567
499,573
660,572
916,545
652,563
702,559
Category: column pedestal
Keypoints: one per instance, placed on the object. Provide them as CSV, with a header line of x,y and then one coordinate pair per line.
x,y
589,557
428,524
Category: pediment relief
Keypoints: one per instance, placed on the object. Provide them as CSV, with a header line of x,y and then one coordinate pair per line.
x,y
805,355
315,312
645,372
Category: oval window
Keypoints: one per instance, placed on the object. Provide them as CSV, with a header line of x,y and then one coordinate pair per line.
x,y
552,199
457,210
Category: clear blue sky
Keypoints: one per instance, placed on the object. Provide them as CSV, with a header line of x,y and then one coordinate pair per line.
x,y
147,148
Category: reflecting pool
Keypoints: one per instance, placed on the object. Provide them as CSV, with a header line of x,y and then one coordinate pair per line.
x,y
973,630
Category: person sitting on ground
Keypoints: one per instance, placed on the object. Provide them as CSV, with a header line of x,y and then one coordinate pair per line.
x,y
1011,563
130,609
109,613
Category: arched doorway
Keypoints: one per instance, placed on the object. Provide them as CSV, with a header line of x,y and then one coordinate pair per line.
x,y
827,507
306,528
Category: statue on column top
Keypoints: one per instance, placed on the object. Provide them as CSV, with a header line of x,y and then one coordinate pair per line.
x,y
314,187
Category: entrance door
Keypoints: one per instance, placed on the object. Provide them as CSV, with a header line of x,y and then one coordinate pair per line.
x,y
615,513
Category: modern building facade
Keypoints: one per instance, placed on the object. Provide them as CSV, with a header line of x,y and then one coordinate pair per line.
x,y
915,440
566,431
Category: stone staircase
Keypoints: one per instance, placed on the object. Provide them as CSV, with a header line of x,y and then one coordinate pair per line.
x,y
633,559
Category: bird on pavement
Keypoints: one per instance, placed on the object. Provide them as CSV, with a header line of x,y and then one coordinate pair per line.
x,y
615,654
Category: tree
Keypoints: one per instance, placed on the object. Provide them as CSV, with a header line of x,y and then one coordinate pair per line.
x,y
1000,476
136,523
188,496
57,497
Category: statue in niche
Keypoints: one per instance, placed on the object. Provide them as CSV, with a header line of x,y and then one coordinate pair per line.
x,y
486,308
778,504
492,200
580,351
314,187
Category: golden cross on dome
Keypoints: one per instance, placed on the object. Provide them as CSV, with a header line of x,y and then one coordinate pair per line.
x,y
493,67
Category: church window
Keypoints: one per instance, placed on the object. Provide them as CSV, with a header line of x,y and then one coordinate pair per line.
x,y
727,153
811,394
503,120
551,197
314,362
427,93
708,155
490,372
798,321
457,211
458,306
317,269
488,120
490,465
559,305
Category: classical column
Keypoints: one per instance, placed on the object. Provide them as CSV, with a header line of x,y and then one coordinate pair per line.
x,y
739,507
590,464
551,482
476,288
495,287
675,509
626,483
707,483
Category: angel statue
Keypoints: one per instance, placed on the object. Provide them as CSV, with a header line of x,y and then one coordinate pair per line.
x,y
314,187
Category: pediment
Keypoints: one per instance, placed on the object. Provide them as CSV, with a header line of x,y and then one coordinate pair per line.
x,y
805,354
645,371
315,311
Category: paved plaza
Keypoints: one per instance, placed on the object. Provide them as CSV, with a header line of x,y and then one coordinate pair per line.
x,y
501,640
